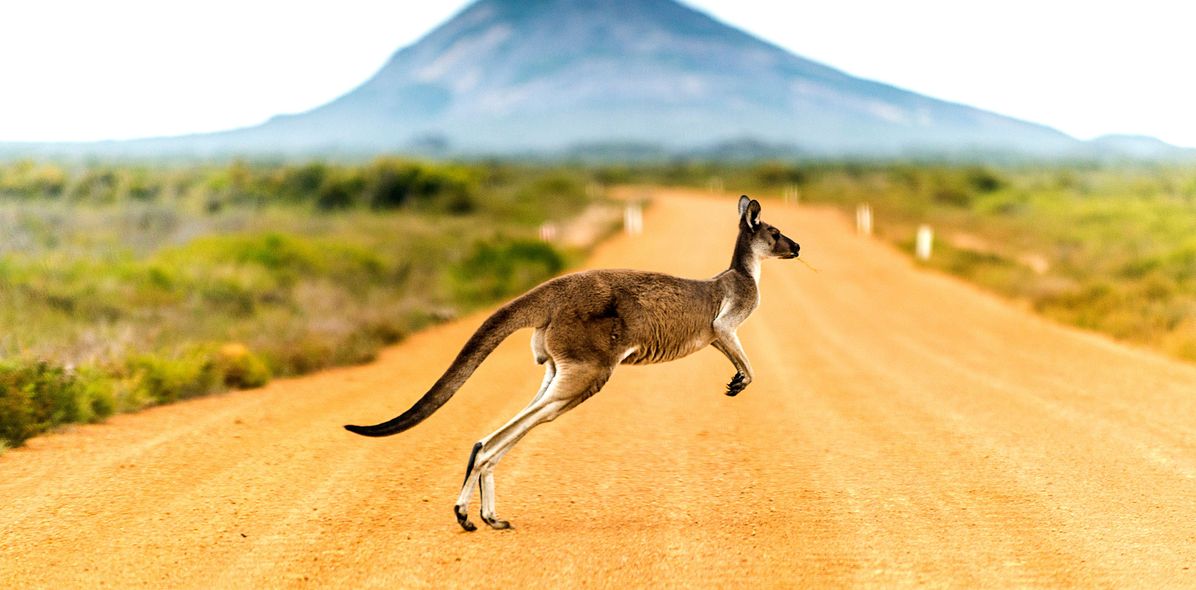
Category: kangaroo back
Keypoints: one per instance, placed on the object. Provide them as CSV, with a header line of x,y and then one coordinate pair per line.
x,y
523,312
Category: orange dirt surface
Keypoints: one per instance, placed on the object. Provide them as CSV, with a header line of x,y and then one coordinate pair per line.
x,y
903,429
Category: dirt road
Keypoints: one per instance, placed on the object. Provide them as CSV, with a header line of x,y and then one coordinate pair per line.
x,y
904,429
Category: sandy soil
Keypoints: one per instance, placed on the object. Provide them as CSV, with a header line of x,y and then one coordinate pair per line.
x,y
903,429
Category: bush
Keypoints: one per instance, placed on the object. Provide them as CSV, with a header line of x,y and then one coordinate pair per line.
x,y
37,396
96,395
507,267
165,380
339,192
305,180
395,183
775,174
239,368
16,408
29,180
983,180
284,258
546,196
200,371
953,197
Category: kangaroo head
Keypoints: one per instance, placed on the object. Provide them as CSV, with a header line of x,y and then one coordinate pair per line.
x,y
766,241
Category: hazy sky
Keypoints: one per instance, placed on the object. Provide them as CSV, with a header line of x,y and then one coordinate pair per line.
x,y
114,69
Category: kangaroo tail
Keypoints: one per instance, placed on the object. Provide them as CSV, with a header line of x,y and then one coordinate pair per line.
x,y
520,313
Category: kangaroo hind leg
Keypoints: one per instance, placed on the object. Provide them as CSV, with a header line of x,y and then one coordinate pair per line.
x,y
471,474
571,385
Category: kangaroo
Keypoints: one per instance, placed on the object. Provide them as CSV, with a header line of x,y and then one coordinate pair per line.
x,y
589,322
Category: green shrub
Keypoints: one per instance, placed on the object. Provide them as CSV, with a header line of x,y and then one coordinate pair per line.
x,y
551,195
297,356
983,180
165,379
494,270
239,368
16,409
952,196
35,397
229,295
285,258
396,183
306,179
96,395
339,192
776,174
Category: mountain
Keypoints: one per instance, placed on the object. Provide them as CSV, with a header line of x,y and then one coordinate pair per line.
x,y
1138,147
547,76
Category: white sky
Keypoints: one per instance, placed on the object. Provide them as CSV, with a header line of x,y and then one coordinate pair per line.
x,y
115,69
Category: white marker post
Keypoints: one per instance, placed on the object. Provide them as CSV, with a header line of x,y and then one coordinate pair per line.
x,y
863,219
925,242
548,232
633,219
791,195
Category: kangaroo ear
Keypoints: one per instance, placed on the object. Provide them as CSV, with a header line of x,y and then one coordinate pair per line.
x,y
753,213
743,204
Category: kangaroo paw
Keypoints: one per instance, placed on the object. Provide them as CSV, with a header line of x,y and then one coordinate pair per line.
x,y
736,385
495,523
463,519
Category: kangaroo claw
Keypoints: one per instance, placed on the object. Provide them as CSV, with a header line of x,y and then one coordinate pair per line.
x,y
463,519
736,385
497,524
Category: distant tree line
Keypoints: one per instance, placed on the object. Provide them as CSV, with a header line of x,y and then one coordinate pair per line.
x,y
384,183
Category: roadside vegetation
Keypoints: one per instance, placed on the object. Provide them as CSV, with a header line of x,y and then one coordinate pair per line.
x,y
123,287
128,286
1110,248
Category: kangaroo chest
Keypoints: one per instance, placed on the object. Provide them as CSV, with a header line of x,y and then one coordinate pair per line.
x,y
734,310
